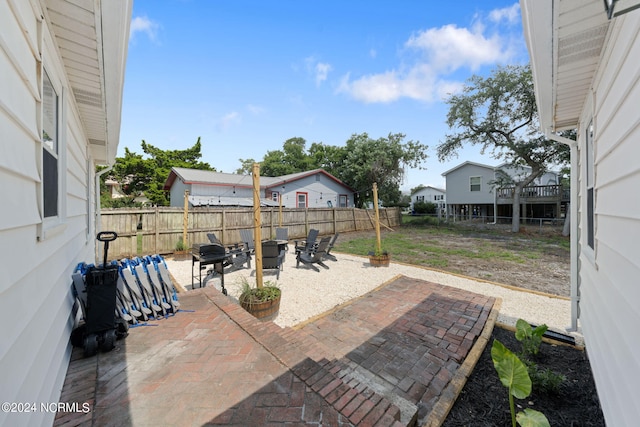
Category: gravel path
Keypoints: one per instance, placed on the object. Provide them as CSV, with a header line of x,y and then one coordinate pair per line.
x,y
306,293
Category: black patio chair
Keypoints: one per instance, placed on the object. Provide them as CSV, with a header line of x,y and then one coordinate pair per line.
x,y
315,256
214,239
272,256
282,235
329,255
246,235
307,245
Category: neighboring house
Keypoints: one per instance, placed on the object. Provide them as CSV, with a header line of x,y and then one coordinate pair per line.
x,y
473,191
430,194
587,77
62,73
312,189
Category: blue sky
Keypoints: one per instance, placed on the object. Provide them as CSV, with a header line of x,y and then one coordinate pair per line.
x,y
245,76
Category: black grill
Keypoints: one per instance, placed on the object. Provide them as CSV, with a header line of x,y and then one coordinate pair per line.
x,y
209,252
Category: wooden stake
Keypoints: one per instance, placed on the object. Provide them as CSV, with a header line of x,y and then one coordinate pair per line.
x,y
185,220
280,216
257,225
377,215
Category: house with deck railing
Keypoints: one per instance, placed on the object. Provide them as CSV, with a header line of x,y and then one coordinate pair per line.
x,y
476,190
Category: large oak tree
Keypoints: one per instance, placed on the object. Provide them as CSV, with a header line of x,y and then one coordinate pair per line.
x,y
499,114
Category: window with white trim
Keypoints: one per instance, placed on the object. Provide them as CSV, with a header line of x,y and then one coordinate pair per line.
x,y
301,200
342,200
50,147
475,183
589,162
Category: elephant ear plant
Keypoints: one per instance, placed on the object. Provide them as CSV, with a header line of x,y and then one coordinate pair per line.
x,y
514,375
529,337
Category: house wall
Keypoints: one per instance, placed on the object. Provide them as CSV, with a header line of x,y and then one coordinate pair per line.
x,y
220,190
316,186
38,257
428,195
176,193
519,172
609,291
458,189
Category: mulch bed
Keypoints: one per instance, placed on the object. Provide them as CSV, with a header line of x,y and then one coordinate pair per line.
x,y
484,401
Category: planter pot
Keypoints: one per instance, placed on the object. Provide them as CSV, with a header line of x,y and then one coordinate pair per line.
x,y
267,310
380,260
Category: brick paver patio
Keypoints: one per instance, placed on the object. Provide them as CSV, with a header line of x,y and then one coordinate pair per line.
x,y
393,357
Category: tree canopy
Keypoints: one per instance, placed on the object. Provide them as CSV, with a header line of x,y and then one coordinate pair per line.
x,y
499,114
145,175
381,160
359,163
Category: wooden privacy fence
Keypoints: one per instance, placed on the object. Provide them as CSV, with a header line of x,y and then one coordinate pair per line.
x,y
159,230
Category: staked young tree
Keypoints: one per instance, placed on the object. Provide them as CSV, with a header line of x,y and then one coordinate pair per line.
x,y
499,114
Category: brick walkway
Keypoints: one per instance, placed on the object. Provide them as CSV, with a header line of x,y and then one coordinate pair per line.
x,y
390,358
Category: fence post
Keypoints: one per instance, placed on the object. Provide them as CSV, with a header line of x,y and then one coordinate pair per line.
x,y
306,221
224,228
355,222
156,226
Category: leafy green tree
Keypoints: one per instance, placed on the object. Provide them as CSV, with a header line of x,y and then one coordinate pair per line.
x,y
246,166
327,157
145,175
499,114
381,160
292,158
360,163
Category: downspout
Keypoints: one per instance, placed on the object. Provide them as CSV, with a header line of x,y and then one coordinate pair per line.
x,y
97,183
573,202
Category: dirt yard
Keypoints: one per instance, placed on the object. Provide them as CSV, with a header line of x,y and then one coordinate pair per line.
x,y
534,258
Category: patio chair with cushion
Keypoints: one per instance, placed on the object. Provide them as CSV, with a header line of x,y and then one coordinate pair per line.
x,y
272,256
315,256
307,245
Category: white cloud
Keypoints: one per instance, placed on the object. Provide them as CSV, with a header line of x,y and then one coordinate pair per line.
x,y
228,120
319,70
509,14
420,83
440,53
142,24
255,109
322,70
449,48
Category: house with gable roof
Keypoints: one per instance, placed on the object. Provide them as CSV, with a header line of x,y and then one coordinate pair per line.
x,y
310,189
430,194
476,190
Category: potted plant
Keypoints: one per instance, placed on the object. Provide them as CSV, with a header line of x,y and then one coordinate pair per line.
x,y
379,258
262,302
181,251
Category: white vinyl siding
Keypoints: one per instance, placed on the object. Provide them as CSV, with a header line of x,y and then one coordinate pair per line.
x,y
609,292
38,255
